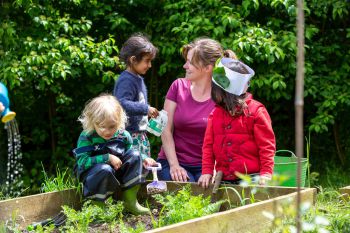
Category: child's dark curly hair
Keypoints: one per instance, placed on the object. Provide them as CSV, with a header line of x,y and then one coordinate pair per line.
x,y
137,45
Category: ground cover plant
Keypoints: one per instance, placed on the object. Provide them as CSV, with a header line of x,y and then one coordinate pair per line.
x,y
167,209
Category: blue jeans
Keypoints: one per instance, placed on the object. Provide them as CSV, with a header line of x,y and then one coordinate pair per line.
x,y
194,172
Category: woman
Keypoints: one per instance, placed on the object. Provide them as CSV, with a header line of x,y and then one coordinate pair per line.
x,y
188,103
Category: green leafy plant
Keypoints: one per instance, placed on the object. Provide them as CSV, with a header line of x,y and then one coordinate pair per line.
x,y
140,227
327,215
62,180
11,225
79,221
174,211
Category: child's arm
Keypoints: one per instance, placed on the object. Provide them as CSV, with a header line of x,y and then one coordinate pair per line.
x,y
208,156
127,94
265,140
84,160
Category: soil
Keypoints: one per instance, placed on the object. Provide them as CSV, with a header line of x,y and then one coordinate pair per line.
x,y
129,221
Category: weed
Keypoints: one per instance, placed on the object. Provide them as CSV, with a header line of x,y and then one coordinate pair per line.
x,y
174,210
125,229
78,221
11,225
62,181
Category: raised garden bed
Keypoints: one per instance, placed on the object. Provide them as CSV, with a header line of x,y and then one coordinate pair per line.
x,y
41,206
345,191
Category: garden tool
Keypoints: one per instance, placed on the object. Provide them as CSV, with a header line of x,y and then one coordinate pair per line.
x,y
7,114
217,181
58,221
156,186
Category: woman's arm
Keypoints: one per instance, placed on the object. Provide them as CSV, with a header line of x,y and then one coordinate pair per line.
x,y
176,171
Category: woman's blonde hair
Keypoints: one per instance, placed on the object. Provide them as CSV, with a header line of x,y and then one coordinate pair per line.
x,y
206,52
99,109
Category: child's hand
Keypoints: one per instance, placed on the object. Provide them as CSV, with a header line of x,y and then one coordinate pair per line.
x,y
205,180
115,161
2,107
264,179
149,162
152,112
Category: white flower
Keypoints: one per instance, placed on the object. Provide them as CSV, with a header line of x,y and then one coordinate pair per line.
x,y
321,220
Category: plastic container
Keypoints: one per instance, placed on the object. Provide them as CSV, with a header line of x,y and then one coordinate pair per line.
x,y
286,165
157,125
7,114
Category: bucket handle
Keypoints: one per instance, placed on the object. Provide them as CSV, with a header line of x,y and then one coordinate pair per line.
x,y
284,151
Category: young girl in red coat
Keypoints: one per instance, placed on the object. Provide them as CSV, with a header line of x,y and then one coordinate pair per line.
x,y
239,137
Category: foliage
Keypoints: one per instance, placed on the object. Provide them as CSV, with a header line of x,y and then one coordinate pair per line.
x,y
78,221
62,180
174,210
55,55
327,215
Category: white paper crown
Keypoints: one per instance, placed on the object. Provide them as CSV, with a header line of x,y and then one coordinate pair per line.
x,y
229,80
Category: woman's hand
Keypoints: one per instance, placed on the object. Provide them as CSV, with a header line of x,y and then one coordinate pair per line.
x,y
205,180
115,161
178,173
149,162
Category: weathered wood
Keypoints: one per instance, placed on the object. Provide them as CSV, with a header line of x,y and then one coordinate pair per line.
x,y
345,191
249,217
37,207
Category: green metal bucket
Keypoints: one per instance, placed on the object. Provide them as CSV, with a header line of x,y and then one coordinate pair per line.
x,y
286,165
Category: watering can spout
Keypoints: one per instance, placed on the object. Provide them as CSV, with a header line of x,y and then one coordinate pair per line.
x,y
7,115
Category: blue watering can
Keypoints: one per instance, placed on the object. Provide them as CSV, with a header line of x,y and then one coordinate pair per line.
x,y
7,114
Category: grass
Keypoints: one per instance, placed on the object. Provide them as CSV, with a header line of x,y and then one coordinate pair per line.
x,y
62,181
331,213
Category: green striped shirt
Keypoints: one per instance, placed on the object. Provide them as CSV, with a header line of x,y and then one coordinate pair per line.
x,y
85,160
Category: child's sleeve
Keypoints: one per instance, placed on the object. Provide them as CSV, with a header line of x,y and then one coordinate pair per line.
x,y
127,139
265,139
85,160
207,149
127,93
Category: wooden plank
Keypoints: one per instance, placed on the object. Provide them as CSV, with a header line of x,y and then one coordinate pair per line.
x,y
345,191
37,207
247,218
42,206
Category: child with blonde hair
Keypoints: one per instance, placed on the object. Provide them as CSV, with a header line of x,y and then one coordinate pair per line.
x,y
105,159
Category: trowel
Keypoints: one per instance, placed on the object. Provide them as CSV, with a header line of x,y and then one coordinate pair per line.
x,y
156,186
217,181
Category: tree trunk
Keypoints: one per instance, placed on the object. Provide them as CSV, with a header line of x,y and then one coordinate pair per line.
x,y
337,141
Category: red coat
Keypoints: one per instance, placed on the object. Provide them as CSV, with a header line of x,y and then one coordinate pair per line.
x,y
244,144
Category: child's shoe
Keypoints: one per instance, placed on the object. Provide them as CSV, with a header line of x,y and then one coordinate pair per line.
x,y
129,197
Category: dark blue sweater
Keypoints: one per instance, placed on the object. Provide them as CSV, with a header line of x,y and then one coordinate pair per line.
x,y
131,92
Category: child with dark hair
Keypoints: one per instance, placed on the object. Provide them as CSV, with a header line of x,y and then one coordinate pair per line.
x,y
239,137
130,89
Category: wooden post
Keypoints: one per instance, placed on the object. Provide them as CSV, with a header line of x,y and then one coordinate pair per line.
x,y
299,102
